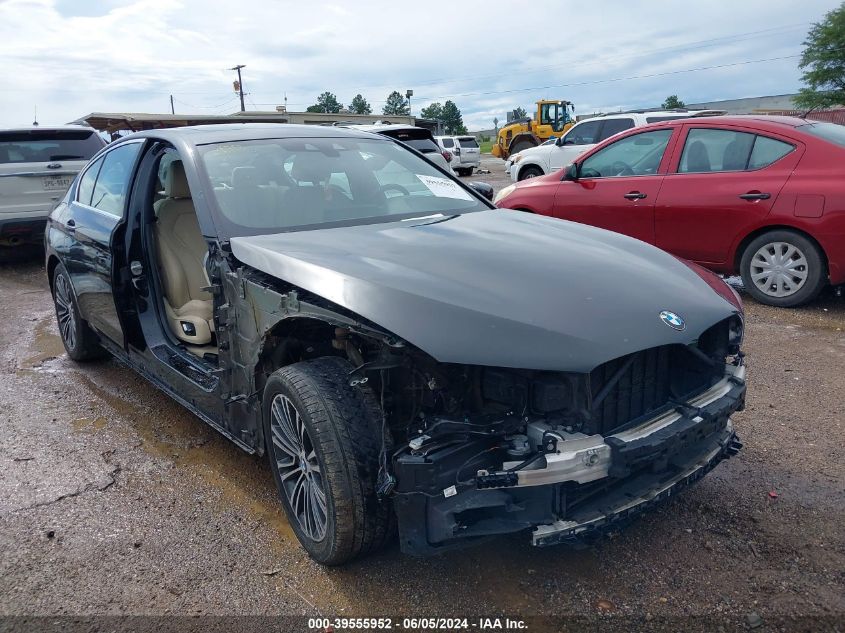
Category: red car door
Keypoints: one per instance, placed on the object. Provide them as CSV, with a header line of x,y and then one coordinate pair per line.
x,y
722,181
617,185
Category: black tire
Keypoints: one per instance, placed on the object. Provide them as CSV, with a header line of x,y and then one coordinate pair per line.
x,y
519,146
343,434
463,172
814,269
531,171
468,171
80,341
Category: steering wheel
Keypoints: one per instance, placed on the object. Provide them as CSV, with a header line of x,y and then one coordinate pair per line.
x,y
402,191
621,169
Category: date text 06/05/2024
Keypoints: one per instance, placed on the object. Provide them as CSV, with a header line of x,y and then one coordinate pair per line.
x,y
336,625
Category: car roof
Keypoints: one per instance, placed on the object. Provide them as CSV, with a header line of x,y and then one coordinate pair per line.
x,y
772,122
227,132
49,128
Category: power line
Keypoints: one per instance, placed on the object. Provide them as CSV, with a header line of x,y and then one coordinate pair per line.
x,y
600,60
615,79
694,45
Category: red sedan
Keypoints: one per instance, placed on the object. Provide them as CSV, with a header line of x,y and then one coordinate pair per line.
x,y
762,196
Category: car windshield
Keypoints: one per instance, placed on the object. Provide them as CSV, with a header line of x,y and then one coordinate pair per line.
x,y
44,146
828,131
277,185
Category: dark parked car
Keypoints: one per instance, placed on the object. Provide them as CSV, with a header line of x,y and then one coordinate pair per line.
x,y
397,347
756,195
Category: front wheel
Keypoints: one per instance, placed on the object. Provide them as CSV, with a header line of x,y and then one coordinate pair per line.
x,y
531,171
325,443
783,268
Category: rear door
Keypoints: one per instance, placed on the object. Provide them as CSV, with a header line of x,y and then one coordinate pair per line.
x,y
618,185
37,166
722,181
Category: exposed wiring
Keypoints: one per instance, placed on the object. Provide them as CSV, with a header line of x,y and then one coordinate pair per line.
x,y
385,482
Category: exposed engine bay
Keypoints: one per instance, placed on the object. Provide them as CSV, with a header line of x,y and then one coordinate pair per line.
x,y
475,451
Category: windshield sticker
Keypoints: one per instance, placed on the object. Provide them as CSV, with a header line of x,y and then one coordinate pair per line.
x,y
444,188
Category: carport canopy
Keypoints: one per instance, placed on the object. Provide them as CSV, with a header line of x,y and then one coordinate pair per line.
x,y
111,122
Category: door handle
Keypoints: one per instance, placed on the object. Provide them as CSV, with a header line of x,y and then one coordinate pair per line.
x,y
635,195
755,196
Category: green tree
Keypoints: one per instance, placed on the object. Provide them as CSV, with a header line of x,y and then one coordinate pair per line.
x,y
433,111
823,61
396,104
520,113
452,120
326,102
672,103
360,105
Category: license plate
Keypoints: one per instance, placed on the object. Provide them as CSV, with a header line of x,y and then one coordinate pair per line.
x,y
55,183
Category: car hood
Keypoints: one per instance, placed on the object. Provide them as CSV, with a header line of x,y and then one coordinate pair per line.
x,y
498,287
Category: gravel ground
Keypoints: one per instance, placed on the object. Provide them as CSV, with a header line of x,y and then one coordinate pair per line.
x,y
115,500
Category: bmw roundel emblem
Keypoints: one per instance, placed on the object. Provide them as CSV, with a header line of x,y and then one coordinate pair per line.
x,y
672,320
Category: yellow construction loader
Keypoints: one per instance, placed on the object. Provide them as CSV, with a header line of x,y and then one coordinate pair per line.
x,y
552,118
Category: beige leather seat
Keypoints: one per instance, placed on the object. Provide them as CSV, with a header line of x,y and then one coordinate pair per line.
x,y
181,254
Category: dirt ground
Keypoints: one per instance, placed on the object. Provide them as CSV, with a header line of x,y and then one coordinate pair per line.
x,y
116,500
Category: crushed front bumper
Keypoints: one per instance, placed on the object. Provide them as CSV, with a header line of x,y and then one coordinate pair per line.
x,y
586,485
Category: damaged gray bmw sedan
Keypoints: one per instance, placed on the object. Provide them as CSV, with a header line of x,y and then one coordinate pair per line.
x,y
406,356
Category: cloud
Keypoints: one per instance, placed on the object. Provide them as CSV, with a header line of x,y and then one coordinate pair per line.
x,y
71,57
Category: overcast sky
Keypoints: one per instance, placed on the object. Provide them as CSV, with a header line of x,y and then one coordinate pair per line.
x,y
72,57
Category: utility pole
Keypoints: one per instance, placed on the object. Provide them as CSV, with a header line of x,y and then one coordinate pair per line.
x,y
408,95
172,109
240,85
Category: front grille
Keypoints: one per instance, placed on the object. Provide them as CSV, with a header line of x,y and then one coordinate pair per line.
x,y
628,389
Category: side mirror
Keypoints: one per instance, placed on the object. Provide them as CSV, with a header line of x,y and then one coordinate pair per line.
x,y
559,141
570,172
482,188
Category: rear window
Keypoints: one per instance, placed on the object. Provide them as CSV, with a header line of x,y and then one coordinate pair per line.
x,y
827,131
447,142
469,141
44,146
418,138
424,145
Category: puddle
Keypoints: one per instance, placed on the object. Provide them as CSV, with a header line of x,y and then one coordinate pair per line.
x,y
89,424
190,443
46,345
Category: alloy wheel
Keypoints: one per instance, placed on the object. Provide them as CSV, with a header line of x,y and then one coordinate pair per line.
x,y
299,469
65,311
779,269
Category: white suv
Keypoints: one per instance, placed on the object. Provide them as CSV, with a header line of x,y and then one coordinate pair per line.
x,y
584,135
37,165
466,154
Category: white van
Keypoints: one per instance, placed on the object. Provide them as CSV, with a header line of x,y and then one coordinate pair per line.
x,y
466,154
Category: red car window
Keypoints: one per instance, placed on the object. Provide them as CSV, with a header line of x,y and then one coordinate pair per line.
x,y
722,149
635,155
